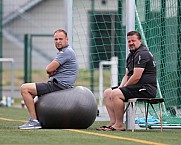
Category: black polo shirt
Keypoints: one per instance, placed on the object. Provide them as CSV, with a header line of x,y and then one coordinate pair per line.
x,y
142,58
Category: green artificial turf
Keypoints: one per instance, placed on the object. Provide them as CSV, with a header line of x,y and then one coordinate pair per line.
x,y
9,134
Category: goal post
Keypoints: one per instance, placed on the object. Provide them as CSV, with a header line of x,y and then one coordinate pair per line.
x,y
11,61
113,79
1,45
130,26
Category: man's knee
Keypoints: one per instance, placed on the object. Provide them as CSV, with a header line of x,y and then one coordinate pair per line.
x,y
28,88
25,87
117,94
107,93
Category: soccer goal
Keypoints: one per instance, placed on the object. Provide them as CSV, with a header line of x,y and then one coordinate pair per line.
x,y
159,24
99,32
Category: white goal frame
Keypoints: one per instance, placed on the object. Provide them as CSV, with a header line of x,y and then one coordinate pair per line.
x,y
11,61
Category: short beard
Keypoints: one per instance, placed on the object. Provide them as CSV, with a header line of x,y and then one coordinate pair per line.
x,y
59,48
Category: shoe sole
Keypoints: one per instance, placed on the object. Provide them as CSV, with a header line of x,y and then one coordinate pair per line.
x,y
30,128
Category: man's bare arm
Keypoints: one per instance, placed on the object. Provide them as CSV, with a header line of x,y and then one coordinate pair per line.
x,y
51,69
124,79
135,77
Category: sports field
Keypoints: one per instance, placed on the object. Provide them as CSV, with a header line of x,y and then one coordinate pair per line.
x,y
11,118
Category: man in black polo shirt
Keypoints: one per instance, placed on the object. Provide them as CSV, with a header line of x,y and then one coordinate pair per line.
x,y
139,81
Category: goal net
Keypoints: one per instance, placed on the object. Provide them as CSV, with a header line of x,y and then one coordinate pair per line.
x,y
99,33
159,23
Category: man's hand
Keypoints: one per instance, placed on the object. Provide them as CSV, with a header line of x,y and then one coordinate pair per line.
x,y
51,73
51,69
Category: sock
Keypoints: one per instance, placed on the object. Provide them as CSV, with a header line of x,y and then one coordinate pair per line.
x,y
35,120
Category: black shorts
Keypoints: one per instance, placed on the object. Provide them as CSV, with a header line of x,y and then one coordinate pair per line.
x,y
138,91
48,87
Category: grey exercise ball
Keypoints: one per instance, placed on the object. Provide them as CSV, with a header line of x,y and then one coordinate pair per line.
x,y
74,108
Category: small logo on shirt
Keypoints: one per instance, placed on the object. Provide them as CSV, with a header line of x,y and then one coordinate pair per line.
x,y
139,59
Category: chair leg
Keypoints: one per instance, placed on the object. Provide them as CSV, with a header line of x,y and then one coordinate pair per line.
x,y
127,107
155,110
160,105
159,116
146,115
133,115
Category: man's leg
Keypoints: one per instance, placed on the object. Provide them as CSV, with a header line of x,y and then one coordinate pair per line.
x,y
28,92
110,109
118,105
109,106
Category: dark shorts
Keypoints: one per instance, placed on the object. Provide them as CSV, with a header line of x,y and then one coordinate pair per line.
x,y
134,91
48,87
